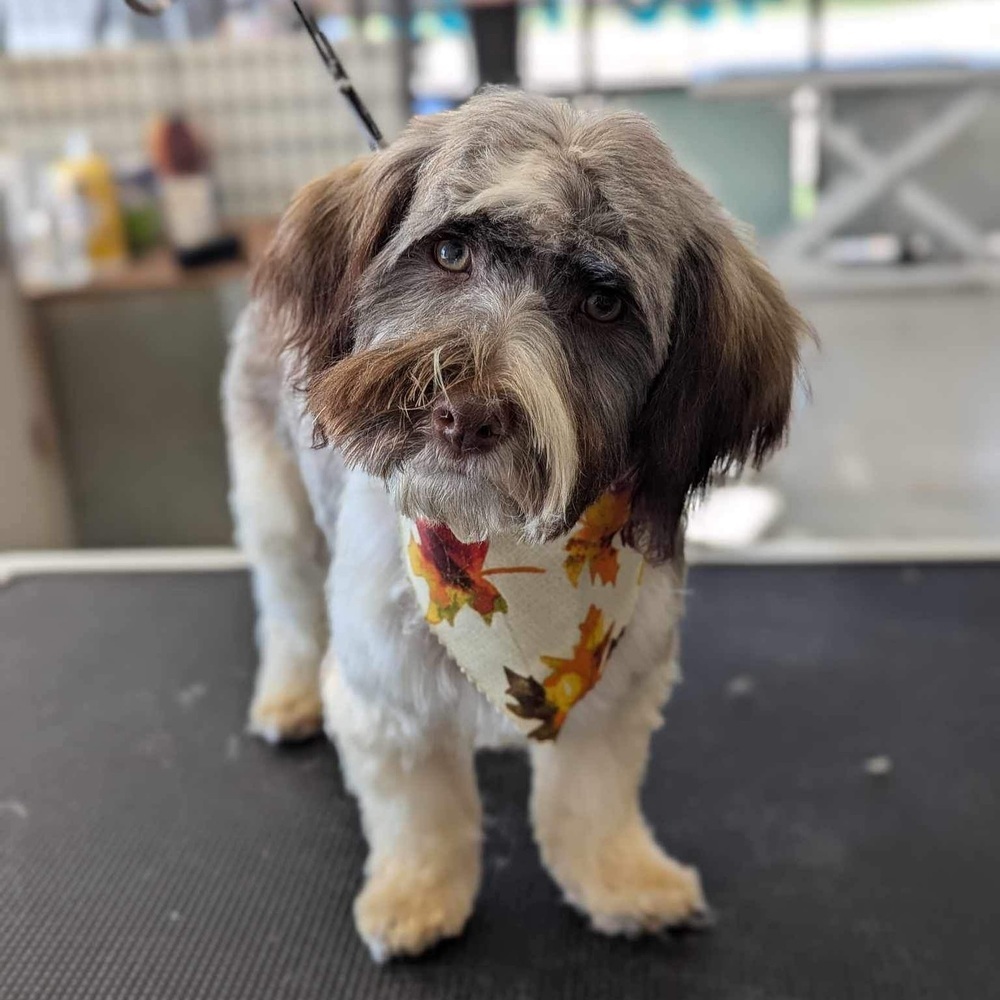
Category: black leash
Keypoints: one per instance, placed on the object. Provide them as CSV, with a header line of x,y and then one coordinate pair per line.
x,y
149,7
326,52
336,69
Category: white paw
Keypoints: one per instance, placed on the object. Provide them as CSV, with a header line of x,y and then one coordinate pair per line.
x,y
287,716
404,909
631,887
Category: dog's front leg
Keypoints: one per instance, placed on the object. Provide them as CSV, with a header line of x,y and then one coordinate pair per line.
x,y
592,835
420,810
392,702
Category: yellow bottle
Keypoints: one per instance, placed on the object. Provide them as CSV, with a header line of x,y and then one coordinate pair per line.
x,y
87,176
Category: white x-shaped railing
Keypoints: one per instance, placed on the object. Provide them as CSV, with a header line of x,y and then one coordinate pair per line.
x,y
878,176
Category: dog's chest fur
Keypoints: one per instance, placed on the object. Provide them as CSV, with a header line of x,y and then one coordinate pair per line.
x,y
385,648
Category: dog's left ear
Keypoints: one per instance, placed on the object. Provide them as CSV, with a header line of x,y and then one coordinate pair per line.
x,y
724,394
307,281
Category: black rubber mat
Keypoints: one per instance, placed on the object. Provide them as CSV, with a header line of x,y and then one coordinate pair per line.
x,y
150,851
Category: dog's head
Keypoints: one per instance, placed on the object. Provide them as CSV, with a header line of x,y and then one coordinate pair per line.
x,y
518,305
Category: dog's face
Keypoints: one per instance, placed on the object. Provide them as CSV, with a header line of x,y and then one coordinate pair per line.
x,y
517,306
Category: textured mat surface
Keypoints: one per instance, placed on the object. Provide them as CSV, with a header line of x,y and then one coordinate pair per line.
x,y
150,851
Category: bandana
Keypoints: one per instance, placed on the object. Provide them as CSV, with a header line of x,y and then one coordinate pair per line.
x,y
531,626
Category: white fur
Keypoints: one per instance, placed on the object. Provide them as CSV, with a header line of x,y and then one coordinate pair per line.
x,y
405,720
277,532
538,379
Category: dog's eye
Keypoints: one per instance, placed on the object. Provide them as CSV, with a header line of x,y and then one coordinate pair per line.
x,y
452,255
603,305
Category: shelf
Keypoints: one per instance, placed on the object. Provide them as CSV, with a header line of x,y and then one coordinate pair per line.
x,y
158,271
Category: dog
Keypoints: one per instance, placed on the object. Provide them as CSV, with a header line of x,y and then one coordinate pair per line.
x,y
516,309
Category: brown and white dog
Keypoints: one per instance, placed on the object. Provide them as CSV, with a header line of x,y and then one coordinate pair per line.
x,y
512,309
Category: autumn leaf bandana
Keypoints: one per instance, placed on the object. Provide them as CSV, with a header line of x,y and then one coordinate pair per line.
x,y
532,626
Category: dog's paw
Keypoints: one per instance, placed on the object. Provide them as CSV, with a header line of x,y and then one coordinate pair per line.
x,y
647,897
404,910
287,716
631,887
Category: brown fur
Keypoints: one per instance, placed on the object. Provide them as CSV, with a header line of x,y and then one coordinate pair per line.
x,y
723,397
308,279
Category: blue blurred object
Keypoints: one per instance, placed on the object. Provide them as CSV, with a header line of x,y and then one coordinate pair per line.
x,y
450,19
432,105
647,12
335,26
701,10
453,19
552,9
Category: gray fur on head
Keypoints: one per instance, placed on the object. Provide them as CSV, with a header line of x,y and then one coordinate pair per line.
x,y
696,374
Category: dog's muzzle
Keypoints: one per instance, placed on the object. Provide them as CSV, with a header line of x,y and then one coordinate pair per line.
x,y
467,424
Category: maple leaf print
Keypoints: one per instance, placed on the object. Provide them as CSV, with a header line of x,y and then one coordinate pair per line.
x,y
569,679
591,545
530,702
455,574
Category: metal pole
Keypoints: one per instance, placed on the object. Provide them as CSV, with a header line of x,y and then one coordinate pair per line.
x,y
815,32
588,74
402,12
149,7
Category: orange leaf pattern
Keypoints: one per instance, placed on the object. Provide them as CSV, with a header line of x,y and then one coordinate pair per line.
x,y
591,544
454,573
569,679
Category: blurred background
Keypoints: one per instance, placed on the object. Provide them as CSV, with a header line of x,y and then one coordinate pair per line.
x,y
143,162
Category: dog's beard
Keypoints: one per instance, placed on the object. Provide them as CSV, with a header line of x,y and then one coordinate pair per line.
x,y
471,507
499,494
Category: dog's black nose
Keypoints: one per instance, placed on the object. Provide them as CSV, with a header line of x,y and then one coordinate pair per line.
x,y
467,424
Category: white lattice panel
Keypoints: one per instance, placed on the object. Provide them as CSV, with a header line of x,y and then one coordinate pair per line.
x,y
272,115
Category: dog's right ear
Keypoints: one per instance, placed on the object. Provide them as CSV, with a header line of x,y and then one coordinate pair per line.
x,y
723,397
308,278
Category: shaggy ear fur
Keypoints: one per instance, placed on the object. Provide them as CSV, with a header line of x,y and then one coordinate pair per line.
x,y
307,281
724,394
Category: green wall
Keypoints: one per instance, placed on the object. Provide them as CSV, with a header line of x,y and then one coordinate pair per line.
x,y
135,380
738,149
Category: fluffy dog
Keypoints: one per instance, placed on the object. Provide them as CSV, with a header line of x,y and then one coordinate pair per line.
x,y
514,308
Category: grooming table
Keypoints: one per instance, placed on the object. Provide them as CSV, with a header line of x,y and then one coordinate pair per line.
x,y
149,850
